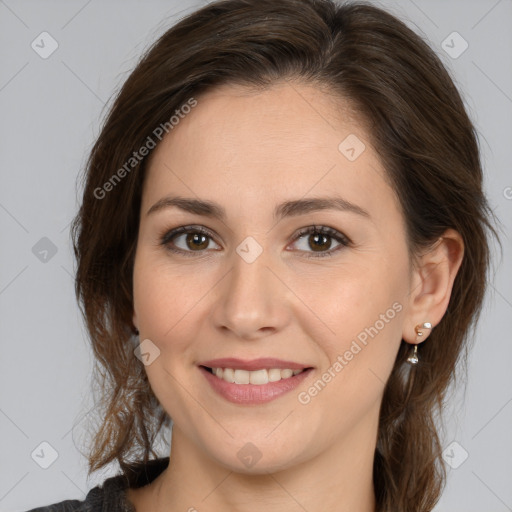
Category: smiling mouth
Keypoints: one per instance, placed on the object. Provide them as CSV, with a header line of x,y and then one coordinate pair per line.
x,y
257,377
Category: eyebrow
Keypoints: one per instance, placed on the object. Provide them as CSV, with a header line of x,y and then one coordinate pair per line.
x,y
286,209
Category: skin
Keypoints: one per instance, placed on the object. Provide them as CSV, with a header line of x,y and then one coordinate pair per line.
x,y
249,151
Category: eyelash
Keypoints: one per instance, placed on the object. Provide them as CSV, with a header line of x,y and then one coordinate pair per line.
x,y
166,238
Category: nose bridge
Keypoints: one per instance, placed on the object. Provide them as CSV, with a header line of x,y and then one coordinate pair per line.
x,y
252,296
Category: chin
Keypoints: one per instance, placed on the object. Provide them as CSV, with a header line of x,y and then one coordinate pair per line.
x,y
257,457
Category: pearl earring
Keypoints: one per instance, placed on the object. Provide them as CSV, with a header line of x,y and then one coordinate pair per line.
x,y
413,358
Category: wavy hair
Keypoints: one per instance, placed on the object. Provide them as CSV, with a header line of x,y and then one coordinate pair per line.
x,y
417,123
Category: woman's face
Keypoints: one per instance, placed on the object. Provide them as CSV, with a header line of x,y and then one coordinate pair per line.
x,y
254,287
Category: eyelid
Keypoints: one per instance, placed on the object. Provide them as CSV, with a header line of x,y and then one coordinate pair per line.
x,y
323,229
343,240
168,234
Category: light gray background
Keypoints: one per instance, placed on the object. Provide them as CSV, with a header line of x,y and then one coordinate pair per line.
x,y
50,114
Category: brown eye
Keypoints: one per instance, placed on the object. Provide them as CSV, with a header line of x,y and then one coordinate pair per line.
x,y
187,240
315,240
319,242
318,239
197,241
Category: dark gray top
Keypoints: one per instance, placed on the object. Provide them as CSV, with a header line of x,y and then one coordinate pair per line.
x,y
111,495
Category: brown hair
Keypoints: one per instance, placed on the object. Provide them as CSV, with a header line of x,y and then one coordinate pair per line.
x,y
418,125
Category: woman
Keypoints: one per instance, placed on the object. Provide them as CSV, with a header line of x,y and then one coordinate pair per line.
x,y
282,247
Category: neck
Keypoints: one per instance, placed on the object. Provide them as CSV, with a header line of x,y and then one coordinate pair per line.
x,y
338,479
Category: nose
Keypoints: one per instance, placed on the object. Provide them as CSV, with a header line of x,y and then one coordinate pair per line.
x,y
252,301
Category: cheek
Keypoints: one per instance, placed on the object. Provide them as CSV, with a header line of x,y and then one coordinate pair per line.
x,y
338,304
165,301
357,326
165,298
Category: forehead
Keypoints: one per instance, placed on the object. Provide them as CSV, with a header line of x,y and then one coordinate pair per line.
x,y
288,115
262,144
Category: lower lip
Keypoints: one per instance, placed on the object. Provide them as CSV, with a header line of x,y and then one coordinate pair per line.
x,y
250,394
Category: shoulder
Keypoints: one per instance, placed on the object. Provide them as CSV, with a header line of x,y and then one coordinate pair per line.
x,y
111,495
111,490
63,506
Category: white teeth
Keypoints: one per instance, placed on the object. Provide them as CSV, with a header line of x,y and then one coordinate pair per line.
x,y
285,374
241,377
274,375
258,377
228,374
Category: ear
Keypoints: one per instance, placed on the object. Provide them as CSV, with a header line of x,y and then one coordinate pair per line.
x,y
431,285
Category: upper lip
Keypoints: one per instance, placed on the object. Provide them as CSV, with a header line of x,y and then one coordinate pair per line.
x,y
252,364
